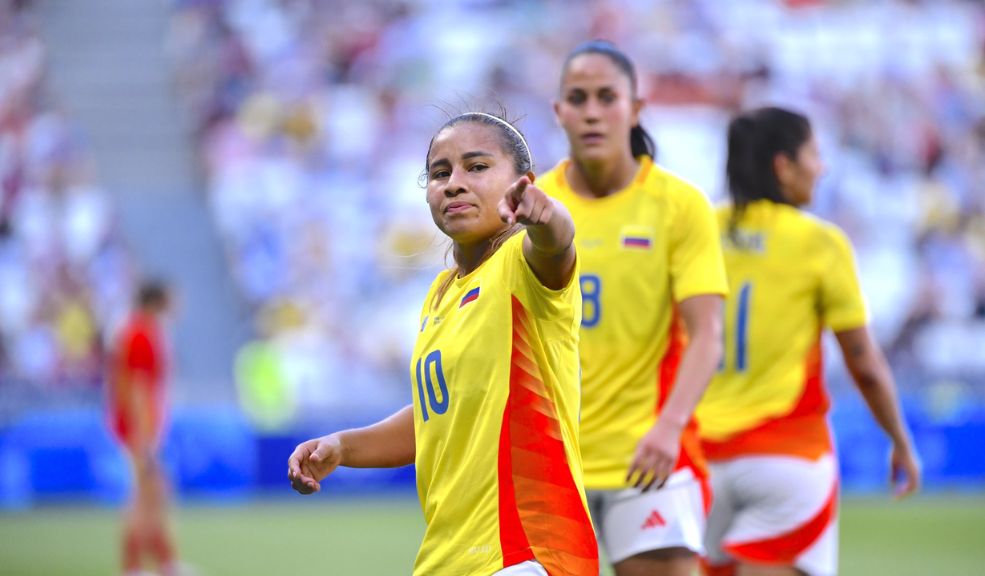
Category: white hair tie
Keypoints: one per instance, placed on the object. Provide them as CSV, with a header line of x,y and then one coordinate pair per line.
x,y
530,160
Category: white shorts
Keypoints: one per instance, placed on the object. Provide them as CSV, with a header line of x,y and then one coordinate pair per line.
x,y
528,568
775,510
630,522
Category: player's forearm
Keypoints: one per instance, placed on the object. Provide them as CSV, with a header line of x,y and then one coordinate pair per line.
x,y
387,444
702,316
555,236
875,382
549,248
694,374
879,391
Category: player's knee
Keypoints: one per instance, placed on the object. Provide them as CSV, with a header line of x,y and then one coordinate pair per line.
x,y
675,561
746,569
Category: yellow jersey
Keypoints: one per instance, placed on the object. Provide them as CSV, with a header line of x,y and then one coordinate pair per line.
x,y
496,400
791,275
642,250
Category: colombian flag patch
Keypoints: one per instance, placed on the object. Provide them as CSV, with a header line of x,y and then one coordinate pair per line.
x,y
635,242
470,296
637,237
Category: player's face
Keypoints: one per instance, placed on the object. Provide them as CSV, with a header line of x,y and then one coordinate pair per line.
x,y
468,174
597,108
801,175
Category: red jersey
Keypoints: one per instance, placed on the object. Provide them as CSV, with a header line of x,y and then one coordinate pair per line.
x,y
139,359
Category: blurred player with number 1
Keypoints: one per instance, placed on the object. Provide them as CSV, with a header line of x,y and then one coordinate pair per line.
x,y
763,419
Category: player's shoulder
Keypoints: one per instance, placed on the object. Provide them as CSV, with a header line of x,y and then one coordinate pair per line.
x,y
823,230
822,236
661,182
512,246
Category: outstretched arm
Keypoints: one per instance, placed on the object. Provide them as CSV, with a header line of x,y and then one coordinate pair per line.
x,y
549,246
387,444
658,450
871,373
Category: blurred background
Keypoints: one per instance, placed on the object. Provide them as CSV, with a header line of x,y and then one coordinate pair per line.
x,y
264,156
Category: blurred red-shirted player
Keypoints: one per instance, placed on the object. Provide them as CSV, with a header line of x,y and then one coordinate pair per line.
x,y
138,371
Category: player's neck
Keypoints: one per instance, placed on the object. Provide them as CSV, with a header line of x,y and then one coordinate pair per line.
x,y
597,179
145,315
468,257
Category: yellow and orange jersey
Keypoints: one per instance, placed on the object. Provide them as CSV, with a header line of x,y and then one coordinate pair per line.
x,y
791,275
496,401
642,250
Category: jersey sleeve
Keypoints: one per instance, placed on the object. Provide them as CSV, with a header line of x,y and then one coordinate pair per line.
x,y
543,301
696,264
842,302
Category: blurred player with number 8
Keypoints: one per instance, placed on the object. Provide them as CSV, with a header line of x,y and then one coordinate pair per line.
x,y
652,284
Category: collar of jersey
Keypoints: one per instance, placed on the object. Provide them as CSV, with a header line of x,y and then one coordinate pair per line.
x,y
461,281
646,164
760,210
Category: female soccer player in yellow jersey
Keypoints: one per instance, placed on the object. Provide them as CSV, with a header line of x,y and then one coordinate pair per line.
x,y
652,283
763,419
493,428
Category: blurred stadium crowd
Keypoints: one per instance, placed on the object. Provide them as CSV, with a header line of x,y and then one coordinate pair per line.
x,y
65,274
312,121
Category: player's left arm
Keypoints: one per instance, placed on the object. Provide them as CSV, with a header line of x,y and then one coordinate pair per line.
x,y
549,246
697,272
658,451
387,444
874,379
844,312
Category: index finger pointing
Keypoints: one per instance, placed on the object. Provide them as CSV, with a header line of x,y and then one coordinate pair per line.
x,y
518,188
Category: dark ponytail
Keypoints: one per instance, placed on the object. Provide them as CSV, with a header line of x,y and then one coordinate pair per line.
x,y
640,141
754,140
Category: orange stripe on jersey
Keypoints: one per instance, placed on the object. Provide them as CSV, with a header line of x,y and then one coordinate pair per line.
x,y
691,455
541,513
512,539
785,549
802,432
815,399
669,364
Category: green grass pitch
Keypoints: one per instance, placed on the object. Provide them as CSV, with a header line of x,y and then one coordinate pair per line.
x,y
930,535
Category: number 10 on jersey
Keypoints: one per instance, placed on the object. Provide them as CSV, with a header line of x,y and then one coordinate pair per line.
x,y
433,374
